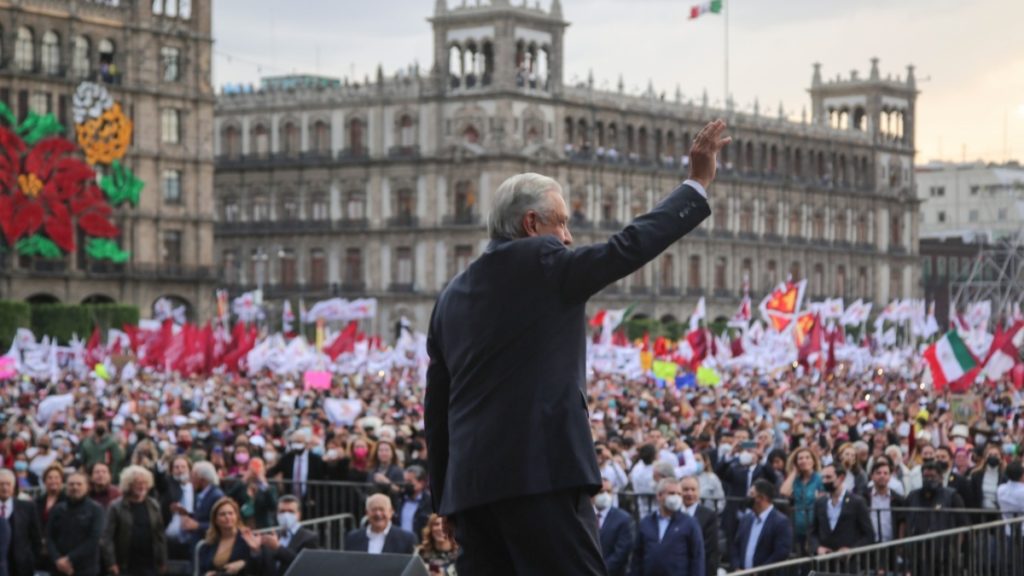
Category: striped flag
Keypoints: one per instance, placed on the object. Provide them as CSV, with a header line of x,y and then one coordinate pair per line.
x,y
950,360
713,7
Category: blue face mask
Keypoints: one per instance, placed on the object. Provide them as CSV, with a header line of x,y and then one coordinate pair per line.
x,y
20,465
612,403
318,450
700,467
643,404
784,426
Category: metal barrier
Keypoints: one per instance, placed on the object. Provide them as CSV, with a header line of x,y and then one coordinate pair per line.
x,y
999,547
323,497
331,531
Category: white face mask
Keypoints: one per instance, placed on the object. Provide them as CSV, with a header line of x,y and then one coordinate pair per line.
x,y
287,520
602,501
673,502
298,446
959,442
746,458
182,478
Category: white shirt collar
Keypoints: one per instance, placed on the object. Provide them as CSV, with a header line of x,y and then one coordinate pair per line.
x,y
370,533
764,515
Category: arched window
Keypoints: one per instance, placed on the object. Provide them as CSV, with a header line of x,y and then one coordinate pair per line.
x,y
290,139
231,142
355,137
320,137
406,131
465,201
259,144
24,50
109,72
80,65
51,53
288,207
471,135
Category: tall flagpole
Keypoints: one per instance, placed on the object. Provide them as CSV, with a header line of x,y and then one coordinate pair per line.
x,y
725,10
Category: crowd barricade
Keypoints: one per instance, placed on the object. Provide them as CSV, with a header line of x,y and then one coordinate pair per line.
x,y
322,498
999,545
330,529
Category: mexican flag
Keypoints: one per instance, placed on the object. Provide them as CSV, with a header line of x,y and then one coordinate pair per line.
x,y
949,360
714,7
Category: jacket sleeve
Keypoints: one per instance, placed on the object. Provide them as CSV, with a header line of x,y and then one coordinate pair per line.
x,y
696,548
783,542
107,548
90,541
35,533
866,532
582,272
712,555
51,531
624,538
435,415
637,568
736,549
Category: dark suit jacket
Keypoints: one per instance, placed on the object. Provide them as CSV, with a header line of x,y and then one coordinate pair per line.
x,y
773,545
708,520
680,552
286,467
419,520
171,494
898,516
617,541
5,548
852,530
397,541
505,410
26,538
276,562
735,483
201,512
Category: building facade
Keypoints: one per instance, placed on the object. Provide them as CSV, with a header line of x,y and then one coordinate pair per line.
x,y
154,59
973,201
381,188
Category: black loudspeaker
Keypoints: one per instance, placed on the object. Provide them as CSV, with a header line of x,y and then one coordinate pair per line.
x,y
330,563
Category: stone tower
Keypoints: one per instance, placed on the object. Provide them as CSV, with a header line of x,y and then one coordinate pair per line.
x,y
499,46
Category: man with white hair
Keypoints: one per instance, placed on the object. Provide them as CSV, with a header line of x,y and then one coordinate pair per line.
x,y
299,466
512,460
26,532
380,536
206,485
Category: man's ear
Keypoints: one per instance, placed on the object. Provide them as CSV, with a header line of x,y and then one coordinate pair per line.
x,y
530,223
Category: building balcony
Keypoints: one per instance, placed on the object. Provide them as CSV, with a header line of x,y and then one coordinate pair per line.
x,y
460,220
610,225
772,238
721,233
402,287
897,249
356,155
750,236
351,224
580,223
353,287
404,151
694,291
640,290
404,221
723,293
796,240
173,271
668,291
699,233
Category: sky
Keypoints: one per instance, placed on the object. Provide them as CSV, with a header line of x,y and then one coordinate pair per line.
x,y
969,56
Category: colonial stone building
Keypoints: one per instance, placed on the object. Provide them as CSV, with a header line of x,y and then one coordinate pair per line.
x,y
153,57
381,188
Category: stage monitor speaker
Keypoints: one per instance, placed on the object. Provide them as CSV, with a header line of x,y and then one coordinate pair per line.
x,y
330,563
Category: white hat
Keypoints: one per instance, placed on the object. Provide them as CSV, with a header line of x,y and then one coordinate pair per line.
x,y
959,431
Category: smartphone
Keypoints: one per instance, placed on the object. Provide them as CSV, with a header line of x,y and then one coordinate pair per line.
x,y
748,445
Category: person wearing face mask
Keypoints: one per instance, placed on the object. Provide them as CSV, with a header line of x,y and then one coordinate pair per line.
x,y
101,446
985,480
765,535
298,467
841,519
615,529
738,474
669,541
413,507
75,529
950,479
280,547
256,498
930,513
706,518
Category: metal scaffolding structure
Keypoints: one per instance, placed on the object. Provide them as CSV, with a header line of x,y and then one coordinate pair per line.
x,y
997,276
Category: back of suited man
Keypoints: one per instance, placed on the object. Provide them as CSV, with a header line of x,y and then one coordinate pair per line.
x,y
506,416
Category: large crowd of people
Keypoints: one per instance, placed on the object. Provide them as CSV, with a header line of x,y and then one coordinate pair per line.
x,y
131,476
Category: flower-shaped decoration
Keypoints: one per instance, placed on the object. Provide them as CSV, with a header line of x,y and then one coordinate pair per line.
x,y
46,191
104,133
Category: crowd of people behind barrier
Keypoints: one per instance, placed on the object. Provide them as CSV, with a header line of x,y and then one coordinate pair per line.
x,y
132,476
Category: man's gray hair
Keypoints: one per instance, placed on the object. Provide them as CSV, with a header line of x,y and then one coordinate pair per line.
x,y
5,473
514,198
664,469
664,483
206,471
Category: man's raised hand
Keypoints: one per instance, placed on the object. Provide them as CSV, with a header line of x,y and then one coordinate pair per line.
x,y
704,152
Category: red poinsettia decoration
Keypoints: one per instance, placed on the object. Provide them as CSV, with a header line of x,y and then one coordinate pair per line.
x,y
46,188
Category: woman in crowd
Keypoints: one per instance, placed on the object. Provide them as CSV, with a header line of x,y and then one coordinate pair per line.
x,y
802,485
385,471
437,550
856,478
256,498
711,492
984,480
229,548
134,543
52,494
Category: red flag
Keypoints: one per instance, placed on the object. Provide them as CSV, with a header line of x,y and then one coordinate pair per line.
x,y
812,340
344,342
737,347
661,347
93,352
698,342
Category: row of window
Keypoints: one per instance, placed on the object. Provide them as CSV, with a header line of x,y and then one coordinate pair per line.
x,y
290,137
257,270
173,8
973,215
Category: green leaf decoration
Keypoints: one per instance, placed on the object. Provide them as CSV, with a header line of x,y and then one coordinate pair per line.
x,y
38,245
106,249
36,127
7,115
121,185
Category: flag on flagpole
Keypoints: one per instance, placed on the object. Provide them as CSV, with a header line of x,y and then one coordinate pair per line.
x,y
287,317
949,360
712,7
699,313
